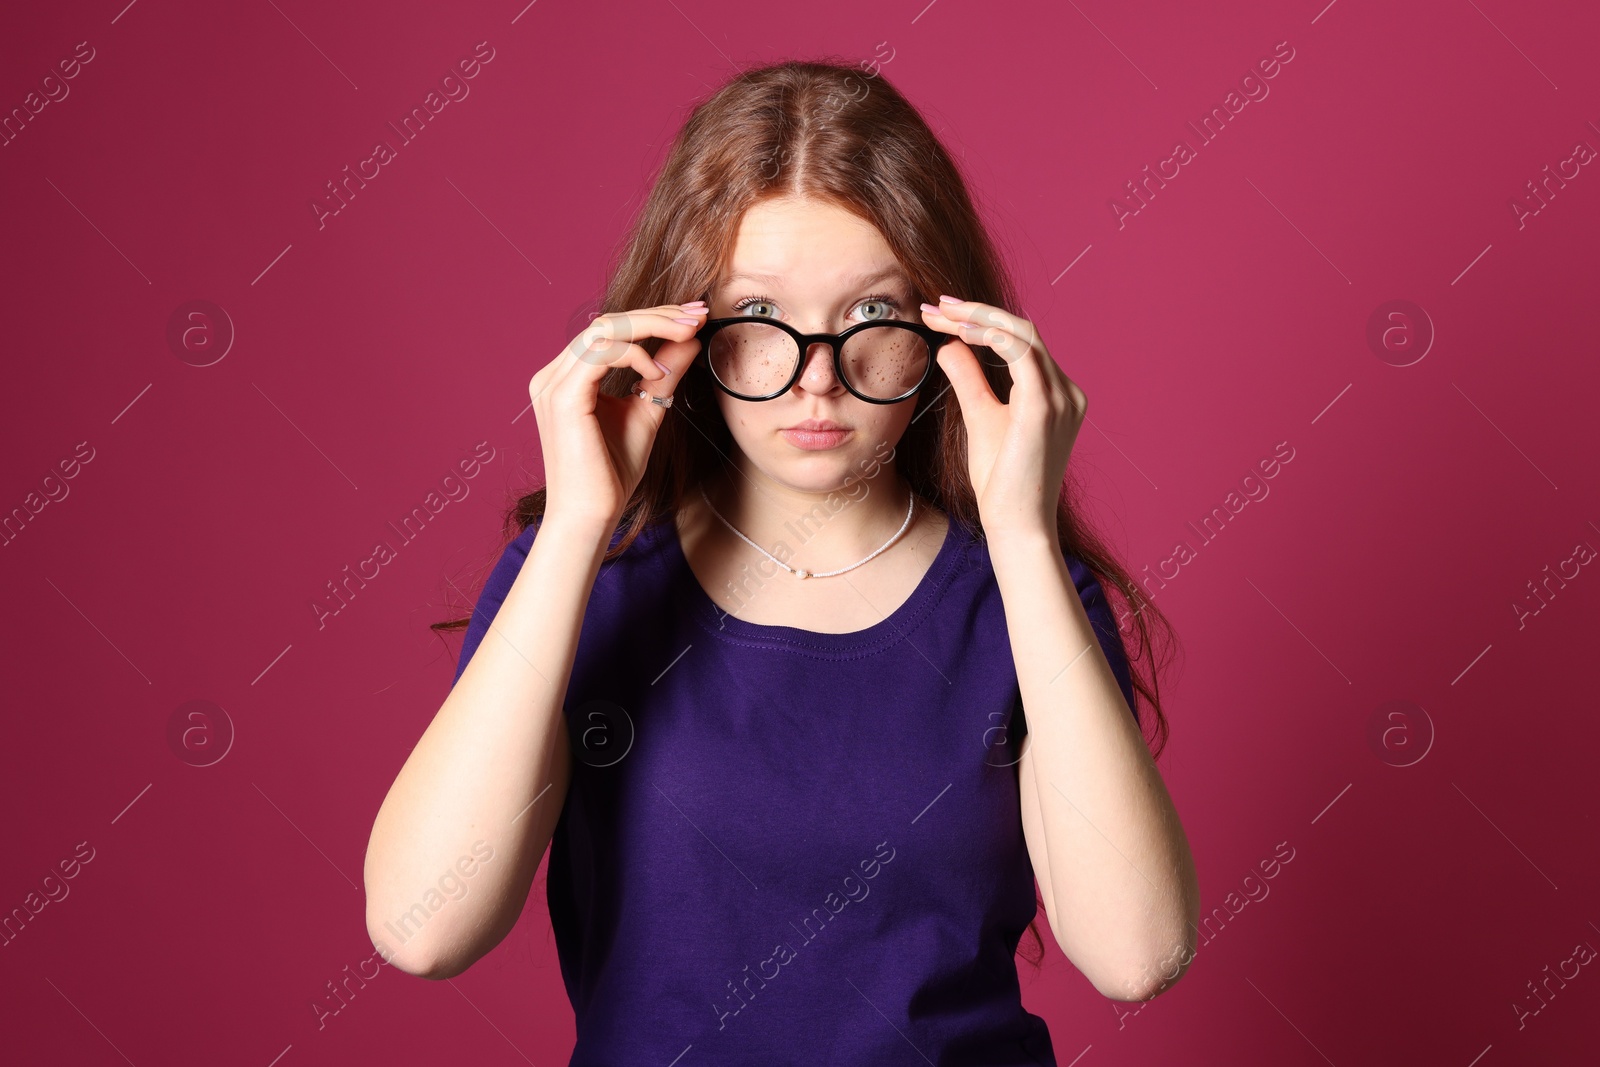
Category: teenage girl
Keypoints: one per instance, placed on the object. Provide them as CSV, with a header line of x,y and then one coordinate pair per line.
x,y
754,668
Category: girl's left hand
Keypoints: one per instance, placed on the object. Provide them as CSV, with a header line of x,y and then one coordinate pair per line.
x,y
1016,452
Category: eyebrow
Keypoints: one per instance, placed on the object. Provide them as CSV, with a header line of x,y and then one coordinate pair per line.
x,y
854,282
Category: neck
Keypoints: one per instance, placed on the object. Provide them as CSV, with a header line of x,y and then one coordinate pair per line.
x,y
816,529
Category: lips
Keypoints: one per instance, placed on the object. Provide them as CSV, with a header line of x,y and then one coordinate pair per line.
x,y
817,424
815,440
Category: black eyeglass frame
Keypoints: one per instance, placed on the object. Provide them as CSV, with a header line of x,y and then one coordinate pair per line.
x,y
935,340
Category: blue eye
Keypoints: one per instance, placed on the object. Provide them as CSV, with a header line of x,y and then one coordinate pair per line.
x,y
887,303
749,300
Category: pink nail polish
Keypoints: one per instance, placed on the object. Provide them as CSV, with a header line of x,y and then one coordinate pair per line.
x,y
930,309
664,368
687,322
950,300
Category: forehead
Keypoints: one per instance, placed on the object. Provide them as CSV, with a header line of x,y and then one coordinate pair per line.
x,y
808,245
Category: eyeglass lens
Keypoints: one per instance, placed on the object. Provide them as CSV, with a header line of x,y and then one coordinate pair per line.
x,y
755,359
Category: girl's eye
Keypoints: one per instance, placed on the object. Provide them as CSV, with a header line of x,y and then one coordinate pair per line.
x,y
750,301
885,305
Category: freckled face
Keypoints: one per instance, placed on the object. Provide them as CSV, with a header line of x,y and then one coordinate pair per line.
x,y
819,269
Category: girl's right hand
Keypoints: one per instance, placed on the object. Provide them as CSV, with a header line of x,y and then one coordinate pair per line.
x,y
595,446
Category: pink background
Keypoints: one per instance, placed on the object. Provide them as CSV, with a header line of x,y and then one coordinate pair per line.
x,y
373,353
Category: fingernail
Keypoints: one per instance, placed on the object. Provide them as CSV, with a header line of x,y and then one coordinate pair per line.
x,y
950,300
687,322
694,303
930,309
664,368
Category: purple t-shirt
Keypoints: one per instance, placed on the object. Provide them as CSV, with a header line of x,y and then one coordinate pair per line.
x,y
782,846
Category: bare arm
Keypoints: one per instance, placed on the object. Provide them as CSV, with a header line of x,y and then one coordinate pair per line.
x,y
1111,857
1110,853
489,776
459,837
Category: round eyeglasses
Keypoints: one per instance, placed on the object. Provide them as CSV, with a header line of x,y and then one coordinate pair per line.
x,y
881,361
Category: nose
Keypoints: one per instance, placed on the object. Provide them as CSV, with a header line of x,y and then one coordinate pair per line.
x,y
818,376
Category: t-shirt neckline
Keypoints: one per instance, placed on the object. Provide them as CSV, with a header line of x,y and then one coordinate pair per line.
x,y
879,635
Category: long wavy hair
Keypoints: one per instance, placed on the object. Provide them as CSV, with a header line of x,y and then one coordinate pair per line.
x,y
831,131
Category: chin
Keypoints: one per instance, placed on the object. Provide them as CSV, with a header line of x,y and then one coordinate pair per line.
x,y
814,474
822,471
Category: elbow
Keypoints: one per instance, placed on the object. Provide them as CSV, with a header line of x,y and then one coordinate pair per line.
x,y
414,956
1159,954
405,938
1138,986
438,971
1152,974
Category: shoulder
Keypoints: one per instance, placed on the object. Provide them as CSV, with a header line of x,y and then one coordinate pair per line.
x,y
608,599
653,541
1102,617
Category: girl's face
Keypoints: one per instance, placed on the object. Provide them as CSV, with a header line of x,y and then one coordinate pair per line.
x,y
819,269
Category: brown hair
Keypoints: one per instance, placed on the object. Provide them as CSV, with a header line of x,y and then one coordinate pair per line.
x,y
829,131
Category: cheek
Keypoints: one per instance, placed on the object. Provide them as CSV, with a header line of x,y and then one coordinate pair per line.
x,y
738,415
887,423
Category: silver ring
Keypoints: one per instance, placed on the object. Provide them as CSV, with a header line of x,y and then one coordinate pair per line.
x,y
664,401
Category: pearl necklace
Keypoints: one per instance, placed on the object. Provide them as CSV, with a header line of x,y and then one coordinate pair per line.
x,y
801,573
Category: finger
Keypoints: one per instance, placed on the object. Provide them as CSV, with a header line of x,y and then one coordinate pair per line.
x,y
676,355
678,309
988,315
1076,397
960,365
1006,335
611,341
607,338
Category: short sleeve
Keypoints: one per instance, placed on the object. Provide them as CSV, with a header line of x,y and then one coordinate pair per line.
x,y
494,593
1098,608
